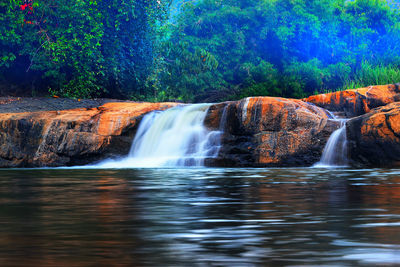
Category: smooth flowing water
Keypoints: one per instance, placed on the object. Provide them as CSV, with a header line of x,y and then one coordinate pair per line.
x,y
335,151
172,138
200,217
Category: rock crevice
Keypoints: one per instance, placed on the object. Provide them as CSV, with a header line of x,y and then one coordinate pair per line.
x,y
268,131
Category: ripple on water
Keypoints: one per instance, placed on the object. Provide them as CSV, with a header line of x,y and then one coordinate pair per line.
x,y
382,224
205,217
374,255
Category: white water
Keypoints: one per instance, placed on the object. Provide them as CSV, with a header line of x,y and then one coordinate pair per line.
x,y
335,151
244,110
172,138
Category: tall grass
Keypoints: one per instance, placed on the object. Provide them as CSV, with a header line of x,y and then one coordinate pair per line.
x,y
373,75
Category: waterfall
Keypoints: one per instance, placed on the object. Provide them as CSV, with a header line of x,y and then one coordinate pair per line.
x,y
171,138
244,110
222,123
335,151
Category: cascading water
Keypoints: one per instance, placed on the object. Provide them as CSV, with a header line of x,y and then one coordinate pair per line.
x,y
335,151
175,137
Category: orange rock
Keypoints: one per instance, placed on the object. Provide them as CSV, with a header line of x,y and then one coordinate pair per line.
x,y
77,136
357,101
259,131
269,131
374,138
381,95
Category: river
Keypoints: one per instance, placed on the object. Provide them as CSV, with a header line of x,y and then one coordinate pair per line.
x,y
199,217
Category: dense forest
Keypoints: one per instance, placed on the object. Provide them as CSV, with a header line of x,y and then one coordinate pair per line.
x,y
196,51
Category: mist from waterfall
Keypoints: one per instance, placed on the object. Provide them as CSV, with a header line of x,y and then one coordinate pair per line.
x,y
175,137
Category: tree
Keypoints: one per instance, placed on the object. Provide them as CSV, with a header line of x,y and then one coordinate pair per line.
x,y
300,47
81,48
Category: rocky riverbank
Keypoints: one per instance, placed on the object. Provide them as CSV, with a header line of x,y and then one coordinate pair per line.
x,y
258,131
72,136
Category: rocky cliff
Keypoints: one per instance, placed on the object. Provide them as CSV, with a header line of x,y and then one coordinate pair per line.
x,y
258,131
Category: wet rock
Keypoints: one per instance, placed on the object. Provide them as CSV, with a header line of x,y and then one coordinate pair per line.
x,y
357,102
268,131
70,137
374,138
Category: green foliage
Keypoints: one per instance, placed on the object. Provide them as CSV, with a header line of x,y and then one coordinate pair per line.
x,y
79,48
209,50
289,48
369,74
259,80
10,34
187,73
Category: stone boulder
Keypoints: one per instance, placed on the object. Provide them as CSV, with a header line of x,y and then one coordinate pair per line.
x,y
374,138
269,131
70,137
357,102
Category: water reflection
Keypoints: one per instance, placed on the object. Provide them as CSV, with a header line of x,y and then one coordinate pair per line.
x,y
222,217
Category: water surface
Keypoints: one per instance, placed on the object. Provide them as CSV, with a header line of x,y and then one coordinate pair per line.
x,y
200,217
